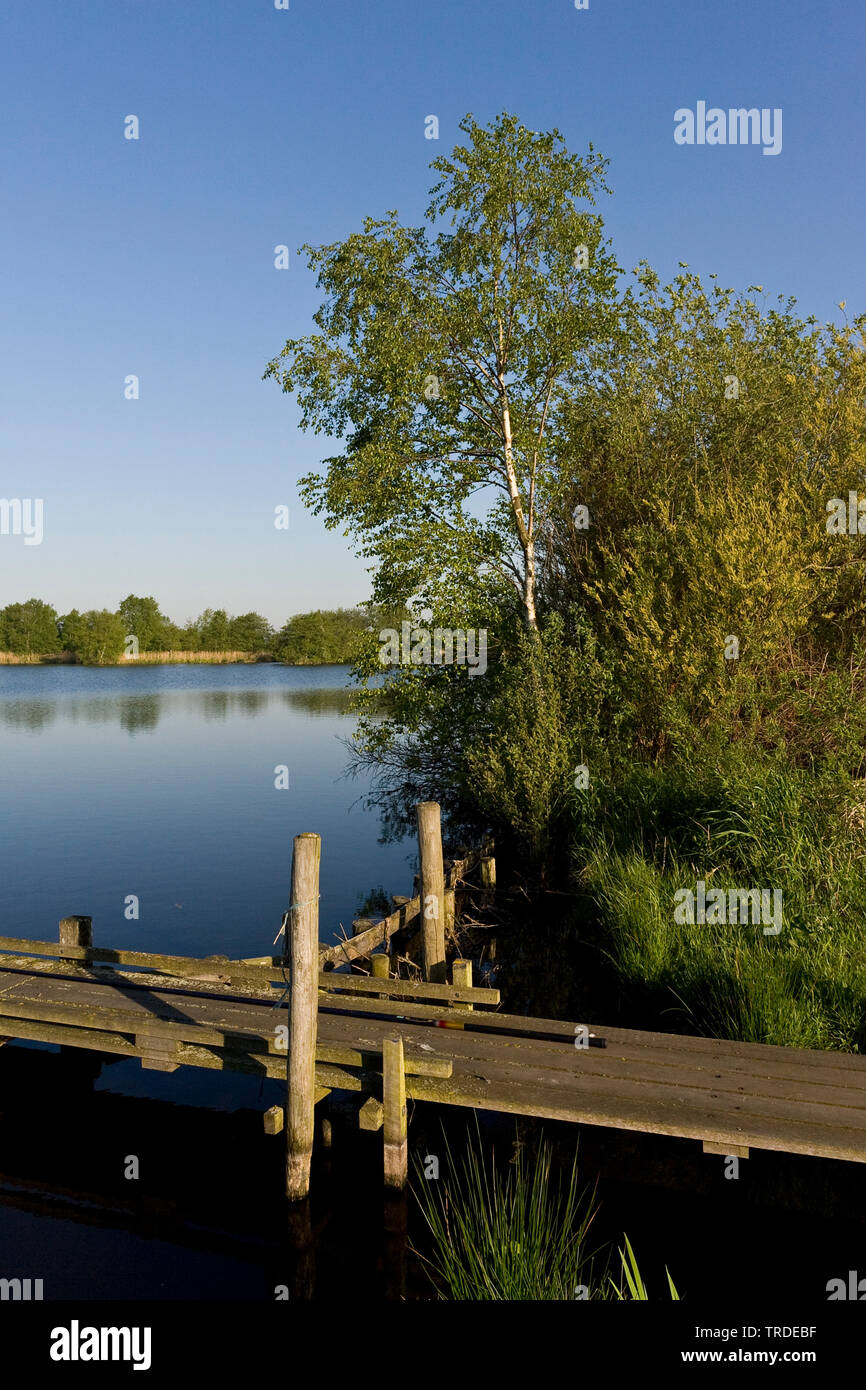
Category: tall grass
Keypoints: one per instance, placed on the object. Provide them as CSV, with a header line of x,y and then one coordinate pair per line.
x,y
518,1234
768,827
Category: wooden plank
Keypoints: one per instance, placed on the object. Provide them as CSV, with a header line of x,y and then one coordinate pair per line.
x,y
139,979
351,1056
645,1117
347,951
241,1030
329,982
187,966
727,1150
459,992
157,1053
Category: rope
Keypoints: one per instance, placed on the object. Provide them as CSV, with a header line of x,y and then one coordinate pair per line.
x,y
280,933
292,906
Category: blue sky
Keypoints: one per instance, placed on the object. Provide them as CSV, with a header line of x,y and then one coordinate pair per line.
x,y
261,126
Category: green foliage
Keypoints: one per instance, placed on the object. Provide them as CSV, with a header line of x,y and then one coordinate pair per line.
x,y
29,628
512,1235
96,637
249,632
212,629
541,721
322,638
443,356
705,431
635,1285
741,824
517,1233
142,619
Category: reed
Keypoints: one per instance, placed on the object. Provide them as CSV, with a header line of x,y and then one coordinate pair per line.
x,y
515,1233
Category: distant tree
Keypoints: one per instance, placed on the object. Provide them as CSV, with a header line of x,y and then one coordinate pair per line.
x,y
97,638
29,628
213,630
249,632
322,638
144,621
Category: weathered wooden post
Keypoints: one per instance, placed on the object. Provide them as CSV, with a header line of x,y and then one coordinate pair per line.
x,y
461,974
78,931
75,931
450,911
394,1107
432,892
380,966
487,875
303,1013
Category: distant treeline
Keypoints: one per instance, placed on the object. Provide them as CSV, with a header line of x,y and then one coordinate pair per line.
x,y
101,636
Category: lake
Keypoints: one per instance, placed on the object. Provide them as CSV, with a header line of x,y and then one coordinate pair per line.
x,y
158,783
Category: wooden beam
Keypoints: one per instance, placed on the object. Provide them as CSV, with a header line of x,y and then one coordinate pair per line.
x,y
157,1052
367,941
727,1150
330,982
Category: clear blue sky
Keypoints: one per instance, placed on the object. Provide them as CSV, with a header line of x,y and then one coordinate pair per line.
x,y
261,127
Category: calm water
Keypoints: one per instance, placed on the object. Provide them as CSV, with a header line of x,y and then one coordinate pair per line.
x,y
158,782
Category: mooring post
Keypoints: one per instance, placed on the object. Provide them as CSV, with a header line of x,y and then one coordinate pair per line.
x,y
75,931
303,1013
394,1107
461,974
432,892
380,966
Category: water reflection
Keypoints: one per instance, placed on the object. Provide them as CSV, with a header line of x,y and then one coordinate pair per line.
x,y
137,713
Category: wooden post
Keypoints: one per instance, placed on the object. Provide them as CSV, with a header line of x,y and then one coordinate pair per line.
x,y
461,974
303,1013
76,931
86,1066
450,911
380,968
394,1107
432,892
487,875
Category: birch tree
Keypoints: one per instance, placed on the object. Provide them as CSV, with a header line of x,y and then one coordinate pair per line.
x,y
443,356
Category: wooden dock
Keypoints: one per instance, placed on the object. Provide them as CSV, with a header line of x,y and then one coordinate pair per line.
x,y
392,1040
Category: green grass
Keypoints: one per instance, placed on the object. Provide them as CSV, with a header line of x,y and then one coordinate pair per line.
x,y
772,829
516,1232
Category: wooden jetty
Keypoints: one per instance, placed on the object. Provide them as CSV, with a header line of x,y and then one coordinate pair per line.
x,y
392,1040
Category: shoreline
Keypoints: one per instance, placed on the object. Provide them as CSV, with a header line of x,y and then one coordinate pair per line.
x,y
161,659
